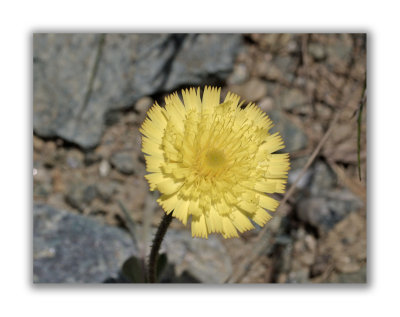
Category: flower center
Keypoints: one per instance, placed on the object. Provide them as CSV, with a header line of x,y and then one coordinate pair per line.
x,y
215,158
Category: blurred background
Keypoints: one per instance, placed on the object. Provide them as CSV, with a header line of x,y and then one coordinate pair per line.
x,y
92,208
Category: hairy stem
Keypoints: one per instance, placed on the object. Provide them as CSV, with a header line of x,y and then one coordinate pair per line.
x,y
162,229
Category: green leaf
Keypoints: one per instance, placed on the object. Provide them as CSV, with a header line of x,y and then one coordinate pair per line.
x,y
133,270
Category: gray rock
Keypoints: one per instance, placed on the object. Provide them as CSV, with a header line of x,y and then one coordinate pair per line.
x,y
141,106
80,195
124,161
274,90
106,190
205,259
357,277
300,276
290,99
74,158
324,212
42,190
92,158
61,72
323,179
239,75
303,181
293,137
317,51
104,168
315,211
266,104
322,204
202,59
252,90
287,66
341,48
69,248
278,68
317,180
42,182
79,78
342,202
323,111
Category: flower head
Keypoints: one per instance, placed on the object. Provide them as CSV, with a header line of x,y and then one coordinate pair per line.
x,y
213,161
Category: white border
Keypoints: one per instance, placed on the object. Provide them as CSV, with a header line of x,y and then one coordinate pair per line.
x,y
20,20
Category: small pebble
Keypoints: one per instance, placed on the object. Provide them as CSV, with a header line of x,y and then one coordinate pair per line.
x,y
104,168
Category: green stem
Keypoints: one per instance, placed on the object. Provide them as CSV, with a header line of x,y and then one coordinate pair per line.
x,y
162,229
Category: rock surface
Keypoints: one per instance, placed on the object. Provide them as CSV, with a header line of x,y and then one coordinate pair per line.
x,y
251,91
205,259
295,139
124,161
323,205
69,248
78,78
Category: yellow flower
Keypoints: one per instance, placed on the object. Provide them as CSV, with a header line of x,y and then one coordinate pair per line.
x,y
213,161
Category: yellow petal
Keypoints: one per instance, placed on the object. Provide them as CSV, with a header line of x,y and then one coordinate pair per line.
x,y
169,186
241,222
191,99
151,148
199,227
194,208
152,131
261,217
229,228
247,206
266,186
153,164
214,221
268,202
272,143
168,202
211,98
181,210
154,179
156,115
